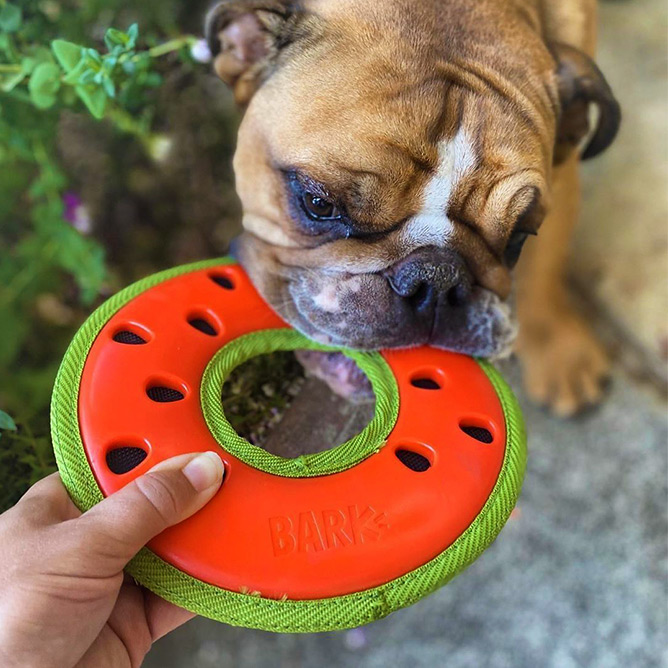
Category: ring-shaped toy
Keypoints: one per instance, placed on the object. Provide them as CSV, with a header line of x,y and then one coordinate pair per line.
x,y
324,541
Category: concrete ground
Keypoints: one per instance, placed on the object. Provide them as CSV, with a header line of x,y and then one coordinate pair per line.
x,y
578,576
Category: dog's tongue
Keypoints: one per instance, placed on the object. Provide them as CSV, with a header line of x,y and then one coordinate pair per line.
x,y
342,375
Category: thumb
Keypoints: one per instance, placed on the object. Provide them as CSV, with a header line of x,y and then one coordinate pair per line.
x,y
120,525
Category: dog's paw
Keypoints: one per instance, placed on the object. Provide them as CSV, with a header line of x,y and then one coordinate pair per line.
x,y
342,375
565,368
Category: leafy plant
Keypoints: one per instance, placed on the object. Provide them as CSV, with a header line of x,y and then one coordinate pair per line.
x,y
6,423
50,264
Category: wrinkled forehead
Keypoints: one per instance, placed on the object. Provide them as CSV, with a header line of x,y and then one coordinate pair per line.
x,y
382,139
355,124
363,107
373,112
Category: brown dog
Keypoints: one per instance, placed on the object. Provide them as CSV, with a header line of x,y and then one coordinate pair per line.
x,y
394,157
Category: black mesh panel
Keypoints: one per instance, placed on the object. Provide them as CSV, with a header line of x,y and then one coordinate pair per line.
x,y
124,459
479,433
129,338
163,394
425,383
203,326
413,460
223,281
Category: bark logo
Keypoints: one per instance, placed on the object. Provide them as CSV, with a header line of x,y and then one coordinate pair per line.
x,y
326,529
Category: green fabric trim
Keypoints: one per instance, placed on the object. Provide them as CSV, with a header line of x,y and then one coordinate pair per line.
x,y
342,457
67,445
253,611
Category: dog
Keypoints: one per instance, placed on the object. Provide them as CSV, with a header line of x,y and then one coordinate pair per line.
x,y
394,157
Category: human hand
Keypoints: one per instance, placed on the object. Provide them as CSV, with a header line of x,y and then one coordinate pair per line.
x,y
64,600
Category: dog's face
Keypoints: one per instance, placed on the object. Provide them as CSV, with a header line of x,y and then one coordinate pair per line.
x,y
393,159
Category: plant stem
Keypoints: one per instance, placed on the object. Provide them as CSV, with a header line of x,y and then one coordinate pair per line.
x,y
10,68
172,45
126,122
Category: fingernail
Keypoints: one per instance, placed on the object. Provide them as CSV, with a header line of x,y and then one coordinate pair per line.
x,y
204,471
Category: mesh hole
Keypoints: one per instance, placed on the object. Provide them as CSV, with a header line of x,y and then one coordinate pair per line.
x,y
129,338
163,394
413,460
203,326
124,459
223,281
425,383
479,433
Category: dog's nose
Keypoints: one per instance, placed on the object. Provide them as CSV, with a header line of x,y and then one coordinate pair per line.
x,y
431,276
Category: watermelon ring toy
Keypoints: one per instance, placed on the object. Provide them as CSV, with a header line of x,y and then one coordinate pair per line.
x,y
325,541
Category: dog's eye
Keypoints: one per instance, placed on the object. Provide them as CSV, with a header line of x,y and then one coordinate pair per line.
x,y
315,212
514,247
318,208
525,226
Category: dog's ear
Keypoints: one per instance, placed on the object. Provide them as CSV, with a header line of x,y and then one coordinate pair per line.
x,y
580,85
246,38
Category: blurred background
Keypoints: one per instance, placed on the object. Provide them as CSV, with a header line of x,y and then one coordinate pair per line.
x,y
578,577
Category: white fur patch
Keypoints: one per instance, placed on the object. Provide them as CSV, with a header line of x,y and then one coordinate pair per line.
x,y
431,226
353,284
327,299
330,296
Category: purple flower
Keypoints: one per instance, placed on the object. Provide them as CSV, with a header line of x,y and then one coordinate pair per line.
x,y
76,213
71,201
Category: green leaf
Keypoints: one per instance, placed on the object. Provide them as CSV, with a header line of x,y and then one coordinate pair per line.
x,y
95,99
6,422
68,54
28,64
75,75
40,54
10,18
13,81
44,85
94,56
114,37
133,34
86,77
84,259
109,87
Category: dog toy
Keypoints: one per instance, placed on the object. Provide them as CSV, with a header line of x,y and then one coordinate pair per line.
x,y
325,541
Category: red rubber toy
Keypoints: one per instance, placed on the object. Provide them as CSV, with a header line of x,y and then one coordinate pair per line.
x,y
448,472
